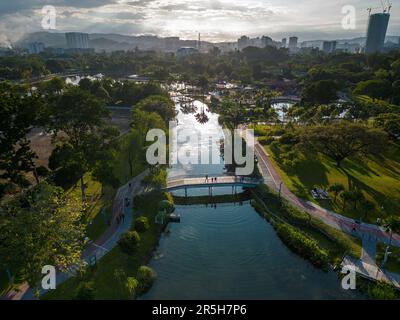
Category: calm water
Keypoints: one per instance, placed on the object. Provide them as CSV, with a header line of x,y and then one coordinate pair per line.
x,y
230,252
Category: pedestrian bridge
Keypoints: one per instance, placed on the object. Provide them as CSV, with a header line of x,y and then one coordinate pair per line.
x,y
176,183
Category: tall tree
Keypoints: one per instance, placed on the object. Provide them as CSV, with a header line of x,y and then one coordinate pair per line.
x,y
44,227
19,112
78,118
341,140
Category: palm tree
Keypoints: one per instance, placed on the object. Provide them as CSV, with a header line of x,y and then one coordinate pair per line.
x,y
336,188
367,206
346,196
357,196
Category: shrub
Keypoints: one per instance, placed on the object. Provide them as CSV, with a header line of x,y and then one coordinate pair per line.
x,y
132,286
145,277
382,291
142,224
303,245
85,291
167,206
265,140
129,242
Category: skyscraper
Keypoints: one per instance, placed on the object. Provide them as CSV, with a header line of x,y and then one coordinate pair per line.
x,y
293,43
284,43
329,46
376,33
77,40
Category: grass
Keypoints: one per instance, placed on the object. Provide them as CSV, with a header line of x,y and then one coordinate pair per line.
x,y
378,178
103,274
336,242
393,261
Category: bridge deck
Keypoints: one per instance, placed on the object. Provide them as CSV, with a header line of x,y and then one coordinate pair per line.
x,y
219,182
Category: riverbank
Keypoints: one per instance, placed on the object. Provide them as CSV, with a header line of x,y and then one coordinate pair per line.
x,y
116,263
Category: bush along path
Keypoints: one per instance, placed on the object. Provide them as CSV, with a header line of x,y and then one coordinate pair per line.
x,y
121,221
273,179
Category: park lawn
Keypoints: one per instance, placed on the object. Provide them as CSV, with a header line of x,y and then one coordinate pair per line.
x,y
103,274
378,178
336,242
393,261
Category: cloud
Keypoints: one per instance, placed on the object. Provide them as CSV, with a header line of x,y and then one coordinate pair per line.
x,y
215,19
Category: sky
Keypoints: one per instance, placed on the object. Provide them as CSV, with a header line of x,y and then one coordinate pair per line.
x,y
216,20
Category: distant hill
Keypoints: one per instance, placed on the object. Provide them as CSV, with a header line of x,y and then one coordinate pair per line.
x,y
112,42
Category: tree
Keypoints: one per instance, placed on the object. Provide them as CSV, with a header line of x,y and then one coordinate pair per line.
x,y
18,115
78,118
43,227
376,88
145,276
320,92
346,197
232,114
336,188
129,242
390,123
132,286
162,105
341,140
264,100
367,206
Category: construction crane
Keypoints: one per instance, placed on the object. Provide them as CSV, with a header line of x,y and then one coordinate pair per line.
x,y
386,7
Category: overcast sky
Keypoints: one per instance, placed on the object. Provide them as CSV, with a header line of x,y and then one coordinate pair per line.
x,y
216,20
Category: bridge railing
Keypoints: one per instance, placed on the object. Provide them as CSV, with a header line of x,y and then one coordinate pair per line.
x,y
234,178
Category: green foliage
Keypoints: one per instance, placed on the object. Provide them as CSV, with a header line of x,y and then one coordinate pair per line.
x,y
18,115
161,105
85,291
129,242
303,245
382,291
33,227
132,286
376,88
342,140
145,276
142,224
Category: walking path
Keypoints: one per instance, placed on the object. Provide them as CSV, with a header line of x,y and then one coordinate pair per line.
x,y
107,241
197,182
273,179
369,233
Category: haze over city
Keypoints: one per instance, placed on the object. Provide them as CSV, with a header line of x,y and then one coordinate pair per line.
x,y
219,20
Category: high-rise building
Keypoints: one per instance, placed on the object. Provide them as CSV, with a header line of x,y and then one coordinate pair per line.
x,y
284,42
376,33
293,43
243,42
77,40
36,47
329,46
266,41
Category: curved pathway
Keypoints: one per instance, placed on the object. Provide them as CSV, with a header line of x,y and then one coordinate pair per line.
x,y
273,179
106,242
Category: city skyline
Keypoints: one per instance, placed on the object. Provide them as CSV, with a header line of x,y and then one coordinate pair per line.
x,y
307,20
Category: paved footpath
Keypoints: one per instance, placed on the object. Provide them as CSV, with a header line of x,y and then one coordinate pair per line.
x,y
273,179
369,233
106,242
